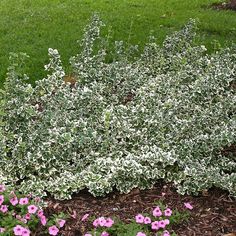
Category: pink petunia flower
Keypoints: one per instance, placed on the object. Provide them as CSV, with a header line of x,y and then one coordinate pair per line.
x,y
147,220
102,221
96,223
88,235
167,222
53,230
104,233
4,208
61,222
18,230
162,224
2,188
27,216
157,212
165,233
2,230
85,217
140,234
24,201
1,199
32,209
25,232
40,213
109,222
43,220
139,218
14,201
155,225
168,212
188,205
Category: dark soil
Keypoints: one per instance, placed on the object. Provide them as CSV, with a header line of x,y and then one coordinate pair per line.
x,y
214,212
226,5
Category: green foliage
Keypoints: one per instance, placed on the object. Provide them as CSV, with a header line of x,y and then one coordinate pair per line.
x,y
127,229
125,124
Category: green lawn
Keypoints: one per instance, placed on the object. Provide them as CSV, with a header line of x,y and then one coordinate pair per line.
x,y
32,26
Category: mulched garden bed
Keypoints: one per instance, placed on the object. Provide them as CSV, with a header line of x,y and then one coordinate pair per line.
x,y
231,5
214,212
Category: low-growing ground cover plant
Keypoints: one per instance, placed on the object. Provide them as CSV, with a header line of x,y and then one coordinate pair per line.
x,y
21,215
166,114
158,223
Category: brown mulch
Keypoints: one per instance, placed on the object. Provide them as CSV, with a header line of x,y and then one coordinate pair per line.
x,y
214,212
226,5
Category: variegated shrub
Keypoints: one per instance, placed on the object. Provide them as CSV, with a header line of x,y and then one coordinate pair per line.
x,y
166,114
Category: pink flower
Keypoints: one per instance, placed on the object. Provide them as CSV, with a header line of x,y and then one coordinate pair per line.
x,y
139,218
162,224
140,234
167,222
157,212
102,221
32,209
85,217
53,230
109,222
61,222
2,230
155,225
104,233
40,213
18,230
24,201
165,233
96,223
88,235
147,220
27,216
25,232
43,220
1,199
188,205
4,208
14,201
168,212
2,188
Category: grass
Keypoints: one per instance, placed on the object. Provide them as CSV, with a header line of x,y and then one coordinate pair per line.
x,y
34,26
